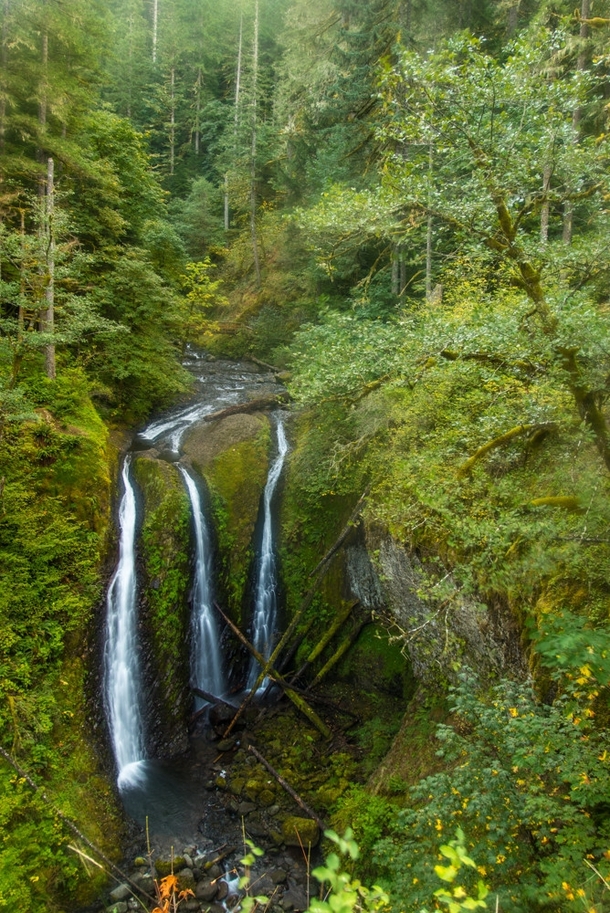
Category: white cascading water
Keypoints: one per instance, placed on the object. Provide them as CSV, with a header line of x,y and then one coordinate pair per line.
x,y
206,659
121,663
265,601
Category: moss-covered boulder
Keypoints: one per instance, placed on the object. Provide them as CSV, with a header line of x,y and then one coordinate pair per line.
x,y
300,831
232,454
166,578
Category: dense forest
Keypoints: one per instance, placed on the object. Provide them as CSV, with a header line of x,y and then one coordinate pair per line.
x,y
400,206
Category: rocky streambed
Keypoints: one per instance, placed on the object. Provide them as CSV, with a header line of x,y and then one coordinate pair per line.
x,y
218,802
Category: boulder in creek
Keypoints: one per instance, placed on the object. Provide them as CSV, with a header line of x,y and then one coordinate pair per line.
x,y
206,890
300,831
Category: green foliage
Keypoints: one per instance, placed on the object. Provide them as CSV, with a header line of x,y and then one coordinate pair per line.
x,y
345,894
528,782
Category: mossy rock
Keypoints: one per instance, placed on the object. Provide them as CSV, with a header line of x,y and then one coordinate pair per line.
x,y
166,866
166,551
300,831
374,664
232,454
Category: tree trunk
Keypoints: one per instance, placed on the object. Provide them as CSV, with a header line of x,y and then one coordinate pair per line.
x,y
226,213
197,110
581,63
238,74
42,107
253,231
155,29
545,213
429,235
172,120
49,316
395,276
513,19
3,70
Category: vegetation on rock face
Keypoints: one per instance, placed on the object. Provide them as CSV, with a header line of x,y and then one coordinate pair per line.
x,y
236,478
166,539
55,468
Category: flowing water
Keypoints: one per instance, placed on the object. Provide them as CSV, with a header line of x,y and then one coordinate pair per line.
x,y
169,794
122,686
265,600
206,656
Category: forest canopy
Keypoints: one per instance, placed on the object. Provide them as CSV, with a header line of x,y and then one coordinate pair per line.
x,y
402,205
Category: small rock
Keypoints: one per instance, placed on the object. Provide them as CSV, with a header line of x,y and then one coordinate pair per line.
x,y
256,827
167,866
236,785
252,789
188,860
133,904
223,890
213,871
206,890
273,810
186,879
266,798
264,885
120,907
121,892
226,744
191,904
146,882
221,714
294,899
278,876
244,808
139,861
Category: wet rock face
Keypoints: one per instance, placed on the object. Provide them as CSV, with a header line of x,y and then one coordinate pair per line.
x,y
454,629
232,455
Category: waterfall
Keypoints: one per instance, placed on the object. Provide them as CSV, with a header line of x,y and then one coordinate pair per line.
x,y
206,660
265,602
121,662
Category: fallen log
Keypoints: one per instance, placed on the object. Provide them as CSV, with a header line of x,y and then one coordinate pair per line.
x,y
326,639
299,702
288,788
210,698
265,364
340,651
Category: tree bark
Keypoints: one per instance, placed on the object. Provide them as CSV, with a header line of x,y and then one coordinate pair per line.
x,y
253,230
155,29
172,120
581,63
49,316
3,70
197,110
545,212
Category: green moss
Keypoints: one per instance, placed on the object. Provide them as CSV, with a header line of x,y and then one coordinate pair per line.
x,y
166,539
54,517
236,480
